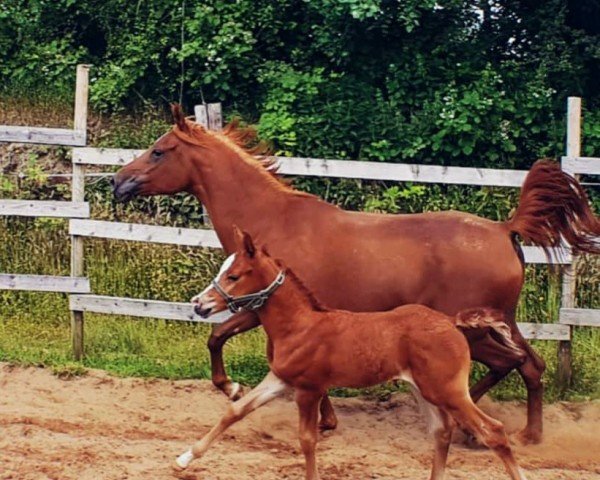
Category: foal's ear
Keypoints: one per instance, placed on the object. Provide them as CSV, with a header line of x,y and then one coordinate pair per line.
x,y
179,117
244,241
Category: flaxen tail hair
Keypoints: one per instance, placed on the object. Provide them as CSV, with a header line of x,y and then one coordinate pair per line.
x,y
488,318
553,206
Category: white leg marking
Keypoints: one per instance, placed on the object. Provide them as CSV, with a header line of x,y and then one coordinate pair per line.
x,y
270,387
184,459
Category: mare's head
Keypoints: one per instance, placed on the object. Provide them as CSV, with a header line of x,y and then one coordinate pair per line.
x,y
171,165
246,280
165,168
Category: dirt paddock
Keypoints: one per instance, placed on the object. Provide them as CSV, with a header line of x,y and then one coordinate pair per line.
x,y
101,427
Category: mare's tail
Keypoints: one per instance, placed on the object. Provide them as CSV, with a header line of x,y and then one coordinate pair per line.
x,y
490,319
553,205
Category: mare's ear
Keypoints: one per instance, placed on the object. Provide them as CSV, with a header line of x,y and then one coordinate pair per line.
x,y
244,241
179,117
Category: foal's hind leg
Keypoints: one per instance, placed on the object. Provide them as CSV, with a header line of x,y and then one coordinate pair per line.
x,y
440,426
270,388
489,431
239,323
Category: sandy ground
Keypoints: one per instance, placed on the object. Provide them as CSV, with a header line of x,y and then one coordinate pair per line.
x,y
101,427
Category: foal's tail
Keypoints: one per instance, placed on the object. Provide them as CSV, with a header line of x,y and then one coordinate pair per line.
x,y
490,319
553,205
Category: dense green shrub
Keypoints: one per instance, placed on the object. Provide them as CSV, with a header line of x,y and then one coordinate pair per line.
x,y
455,82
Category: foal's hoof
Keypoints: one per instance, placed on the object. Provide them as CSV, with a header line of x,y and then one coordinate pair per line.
x,y
529,437
183,461
470,441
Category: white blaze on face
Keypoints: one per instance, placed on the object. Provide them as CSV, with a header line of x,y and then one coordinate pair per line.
x,y
226,265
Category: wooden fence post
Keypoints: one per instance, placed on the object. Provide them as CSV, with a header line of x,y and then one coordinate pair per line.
x,y
569,281
78,195
210,116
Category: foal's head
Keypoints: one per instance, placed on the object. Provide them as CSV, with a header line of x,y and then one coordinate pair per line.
x,y
165,168
245,281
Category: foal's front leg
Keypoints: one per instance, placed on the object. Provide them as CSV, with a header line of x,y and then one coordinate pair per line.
x,y
308,406
270,388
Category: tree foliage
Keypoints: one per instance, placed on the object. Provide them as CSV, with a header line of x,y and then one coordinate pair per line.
x,y
479,82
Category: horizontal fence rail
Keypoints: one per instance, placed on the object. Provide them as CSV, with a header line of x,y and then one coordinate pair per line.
x,y
44,283
208,238
144,233
580,317
141,308
44,208
544,331
343,169
581,165
48,136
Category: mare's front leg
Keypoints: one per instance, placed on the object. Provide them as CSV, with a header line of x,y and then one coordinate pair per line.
x,y
308,406
270,388
238,323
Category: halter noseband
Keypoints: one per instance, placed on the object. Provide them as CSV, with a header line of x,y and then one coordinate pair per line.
x,y
252,301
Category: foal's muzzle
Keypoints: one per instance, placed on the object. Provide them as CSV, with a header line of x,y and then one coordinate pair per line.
x,y
125,190
202,311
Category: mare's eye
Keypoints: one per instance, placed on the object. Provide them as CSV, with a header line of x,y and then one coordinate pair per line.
x,y
233,278
157,153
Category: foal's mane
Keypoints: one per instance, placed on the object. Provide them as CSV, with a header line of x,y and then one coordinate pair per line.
x,y
315,303
243,140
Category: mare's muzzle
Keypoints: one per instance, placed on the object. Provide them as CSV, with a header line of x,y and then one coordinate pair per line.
x,y
126,189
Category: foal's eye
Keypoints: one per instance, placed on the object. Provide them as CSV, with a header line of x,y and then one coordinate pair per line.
x,y
233,278
157,153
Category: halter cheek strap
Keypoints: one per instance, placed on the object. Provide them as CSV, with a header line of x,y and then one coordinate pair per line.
x,y
252,301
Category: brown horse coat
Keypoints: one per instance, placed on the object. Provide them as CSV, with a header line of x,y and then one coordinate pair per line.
x,y
449,261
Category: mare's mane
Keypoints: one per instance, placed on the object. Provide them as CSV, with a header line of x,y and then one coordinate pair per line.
x,y
243,140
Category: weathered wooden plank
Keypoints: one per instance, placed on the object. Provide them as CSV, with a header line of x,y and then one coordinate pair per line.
x,y
580,317
78,194
544,331
536,255
215,116
141,308
45,208
581,165
401,172
104,156
144,233
344,169
564,371
49,136
44,283
201,115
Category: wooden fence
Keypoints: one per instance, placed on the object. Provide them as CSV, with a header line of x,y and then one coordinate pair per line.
x,y
77,208
80,226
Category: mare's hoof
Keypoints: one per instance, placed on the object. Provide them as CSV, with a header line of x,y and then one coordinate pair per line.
x,y
528,437
327,424
234,391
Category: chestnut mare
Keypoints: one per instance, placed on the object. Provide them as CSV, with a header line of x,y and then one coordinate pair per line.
x,y
449,261
312,349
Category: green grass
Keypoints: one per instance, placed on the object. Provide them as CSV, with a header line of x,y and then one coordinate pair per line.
x,y
35,327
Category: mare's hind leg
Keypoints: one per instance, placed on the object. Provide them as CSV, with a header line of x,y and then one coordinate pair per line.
x,y
270,388
531,371
488,431
501,361
328,418
239,323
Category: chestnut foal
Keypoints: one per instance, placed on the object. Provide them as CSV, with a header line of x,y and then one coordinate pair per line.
x,y
312,349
